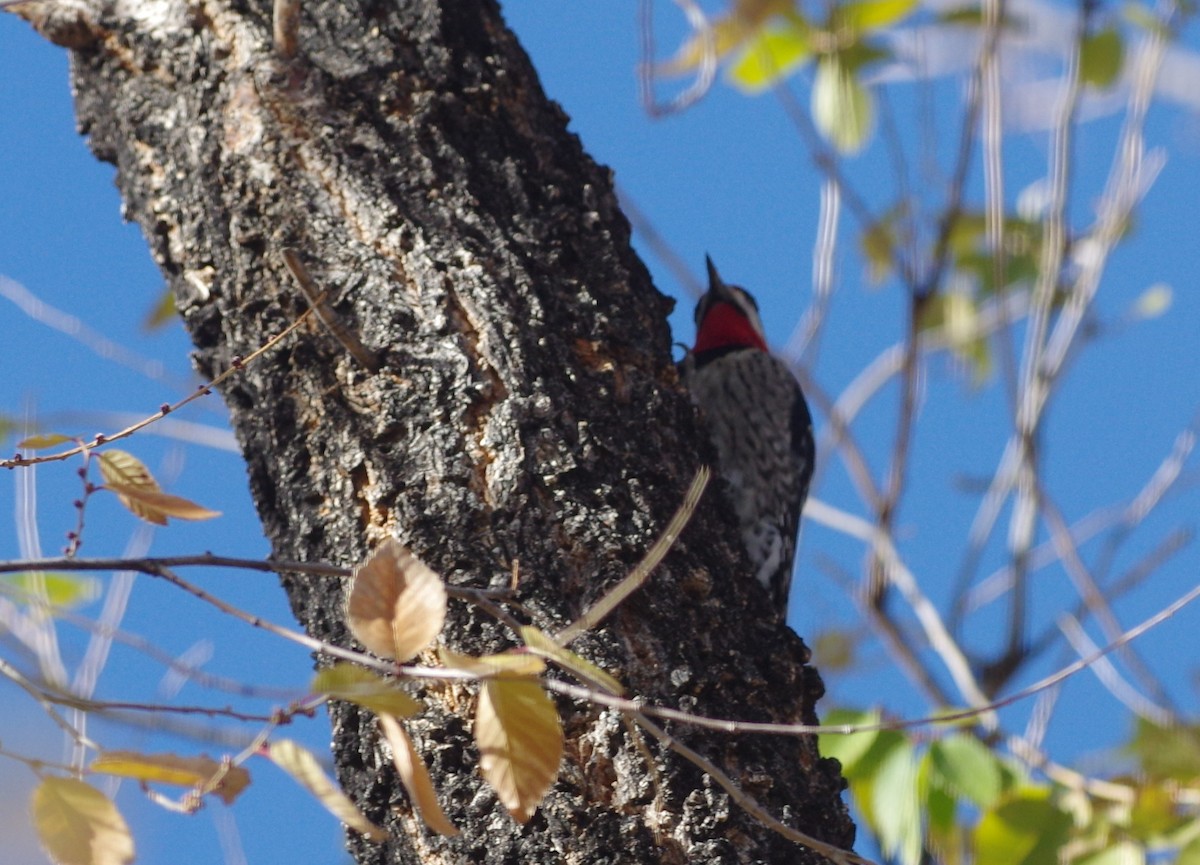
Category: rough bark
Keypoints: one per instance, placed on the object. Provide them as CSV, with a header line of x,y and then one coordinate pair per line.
x,y
526,409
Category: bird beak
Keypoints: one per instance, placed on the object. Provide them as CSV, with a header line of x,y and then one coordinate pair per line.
x,y
714,278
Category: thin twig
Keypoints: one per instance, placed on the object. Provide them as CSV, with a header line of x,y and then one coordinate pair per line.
x,y
316,298
1029,407
935,631
1104,670
1095,600
201,391
745,801
941,719
705,74
657,552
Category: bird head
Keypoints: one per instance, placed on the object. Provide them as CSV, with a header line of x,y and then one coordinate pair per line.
x,y
727,317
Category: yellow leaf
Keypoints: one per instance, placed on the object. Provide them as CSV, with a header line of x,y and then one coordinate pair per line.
x,y
172,769
57,590
508,664
843,109
79,825
397,604
299,762
415,777
155,507
770,56
725,34
866,15
354,684
161,312
46,440
1153,302
520,742
543,646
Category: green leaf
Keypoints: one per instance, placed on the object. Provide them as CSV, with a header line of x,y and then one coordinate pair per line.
x,y
860,54
1122,853
1026,828
1190,854
897,814
1012,773
1154,815
944,830
850,748
879,244
1100,58
965,766
1167,753
843,110
867,15
770,56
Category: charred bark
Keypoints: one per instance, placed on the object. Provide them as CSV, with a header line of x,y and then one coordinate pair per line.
x,y
525,408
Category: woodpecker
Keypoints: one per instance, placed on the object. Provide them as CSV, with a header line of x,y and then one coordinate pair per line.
x,y
759,424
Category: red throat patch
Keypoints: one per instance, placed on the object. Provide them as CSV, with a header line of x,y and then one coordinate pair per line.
x,y
726,327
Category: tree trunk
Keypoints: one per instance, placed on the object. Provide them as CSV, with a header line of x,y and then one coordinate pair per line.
x,y
524,409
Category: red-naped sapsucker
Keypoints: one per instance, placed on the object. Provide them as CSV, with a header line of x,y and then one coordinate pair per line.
x,y
760,425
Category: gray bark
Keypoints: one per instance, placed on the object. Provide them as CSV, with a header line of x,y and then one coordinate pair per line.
x,y
525,409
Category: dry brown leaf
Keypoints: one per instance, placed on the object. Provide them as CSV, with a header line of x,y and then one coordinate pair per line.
x,y
154,506
542,645
505,664
520,743
299,762
122,469
415,777
397,604
172,769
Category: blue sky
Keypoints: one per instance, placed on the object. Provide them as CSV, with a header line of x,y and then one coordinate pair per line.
x,y
730,177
